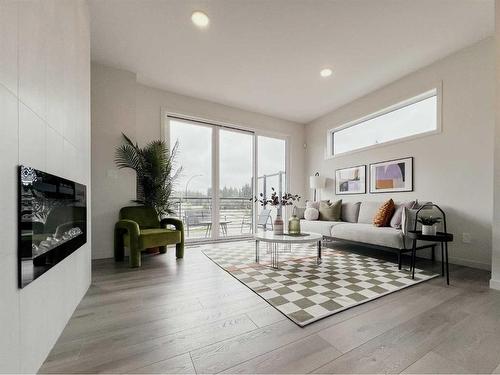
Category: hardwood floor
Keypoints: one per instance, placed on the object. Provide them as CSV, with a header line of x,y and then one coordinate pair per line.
x,y
186,316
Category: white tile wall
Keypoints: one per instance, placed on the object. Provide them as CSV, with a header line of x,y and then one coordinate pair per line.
x,y
45,123
32,54
8,170
57,100
31,138
54,145
9,315
8,45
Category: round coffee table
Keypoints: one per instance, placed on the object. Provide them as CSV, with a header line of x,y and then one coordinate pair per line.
x,y
275,239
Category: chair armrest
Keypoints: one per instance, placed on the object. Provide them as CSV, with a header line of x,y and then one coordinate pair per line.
x,y
123,227
177,223
130,226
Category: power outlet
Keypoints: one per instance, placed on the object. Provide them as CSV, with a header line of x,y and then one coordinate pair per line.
x,y
466,238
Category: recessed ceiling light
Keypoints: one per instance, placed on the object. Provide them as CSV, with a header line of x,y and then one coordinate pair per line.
x,y
327,72
200,19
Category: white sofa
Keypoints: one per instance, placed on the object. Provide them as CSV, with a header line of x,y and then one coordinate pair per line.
x,y
357,227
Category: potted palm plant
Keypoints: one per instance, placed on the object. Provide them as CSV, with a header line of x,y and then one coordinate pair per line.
x,y
154,165
429,225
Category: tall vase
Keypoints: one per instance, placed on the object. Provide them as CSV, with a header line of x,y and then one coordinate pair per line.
x,y
278,225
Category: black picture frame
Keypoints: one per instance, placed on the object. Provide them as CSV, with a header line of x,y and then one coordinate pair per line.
x,y
337,180
408,177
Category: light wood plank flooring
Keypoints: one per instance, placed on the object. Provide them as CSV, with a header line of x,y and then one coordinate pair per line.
x,y
187,316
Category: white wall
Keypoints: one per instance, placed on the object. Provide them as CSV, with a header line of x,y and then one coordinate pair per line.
x,y
113,112
44,123
452,169
495,261
120,104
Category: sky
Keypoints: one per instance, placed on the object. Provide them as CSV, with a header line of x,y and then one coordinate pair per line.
x,y
417,118
195,156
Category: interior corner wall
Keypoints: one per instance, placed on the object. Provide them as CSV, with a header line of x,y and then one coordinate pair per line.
x,y
452,168
495,256
113,113
44,123
120,104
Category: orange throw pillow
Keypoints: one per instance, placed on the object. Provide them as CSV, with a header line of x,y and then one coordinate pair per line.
x,y
384,214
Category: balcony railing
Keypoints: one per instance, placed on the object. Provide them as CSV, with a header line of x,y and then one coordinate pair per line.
x,y
235,216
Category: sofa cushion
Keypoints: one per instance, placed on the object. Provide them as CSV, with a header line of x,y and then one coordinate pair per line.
x,y
367,211
397,217
330,211
316,226
384,214
409,216
311,213
367,233
149,238
350,212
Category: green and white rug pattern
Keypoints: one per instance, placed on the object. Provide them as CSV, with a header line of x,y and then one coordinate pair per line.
x,y
305,291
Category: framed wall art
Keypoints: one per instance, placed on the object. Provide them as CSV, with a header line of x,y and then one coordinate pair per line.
x,y
350,180
392,176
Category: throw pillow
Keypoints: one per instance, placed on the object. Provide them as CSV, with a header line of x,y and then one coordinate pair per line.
x,y
384,214
312,204
350,212
409,217
330,211
408,220
311,213
397,218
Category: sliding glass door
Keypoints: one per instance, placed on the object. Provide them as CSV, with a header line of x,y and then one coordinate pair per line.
x,y
271,173
193,189
235,183
214,192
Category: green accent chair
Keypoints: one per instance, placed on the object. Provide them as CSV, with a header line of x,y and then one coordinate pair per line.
x,y
139,229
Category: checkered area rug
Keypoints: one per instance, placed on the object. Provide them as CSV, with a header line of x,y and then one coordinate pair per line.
x,y
305,291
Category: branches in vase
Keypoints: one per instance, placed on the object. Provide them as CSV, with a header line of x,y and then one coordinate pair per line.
x,y
286,199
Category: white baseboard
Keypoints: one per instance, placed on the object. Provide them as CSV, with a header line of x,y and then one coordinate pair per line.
x,y
495,284
470,263
457,260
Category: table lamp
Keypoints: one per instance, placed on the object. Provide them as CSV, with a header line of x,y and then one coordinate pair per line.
x,y
316,182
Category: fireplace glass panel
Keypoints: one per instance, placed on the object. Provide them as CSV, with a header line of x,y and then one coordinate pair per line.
x,y
52,221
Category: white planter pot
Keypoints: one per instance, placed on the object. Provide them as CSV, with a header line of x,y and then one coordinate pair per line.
x,y
429,230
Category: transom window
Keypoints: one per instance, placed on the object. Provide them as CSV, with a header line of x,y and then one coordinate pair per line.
x,y
412,117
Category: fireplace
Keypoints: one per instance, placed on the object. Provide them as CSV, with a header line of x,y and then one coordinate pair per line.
x,y
52,221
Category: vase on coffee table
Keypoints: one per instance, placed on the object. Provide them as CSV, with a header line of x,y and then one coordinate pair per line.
x,y
294,225
278,224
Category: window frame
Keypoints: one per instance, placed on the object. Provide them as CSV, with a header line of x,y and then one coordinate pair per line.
x,y
436,91
167,114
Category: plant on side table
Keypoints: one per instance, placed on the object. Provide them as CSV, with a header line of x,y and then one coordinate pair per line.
x,y
429,225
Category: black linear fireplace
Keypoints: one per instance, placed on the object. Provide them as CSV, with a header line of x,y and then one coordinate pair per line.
x,y
52,221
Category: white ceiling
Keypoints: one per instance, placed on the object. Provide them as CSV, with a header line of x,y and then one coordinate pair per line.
x,y
265,56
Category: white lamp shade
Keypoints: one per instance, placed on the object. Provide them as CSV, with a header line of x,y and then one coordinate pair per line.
x,y
317,182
